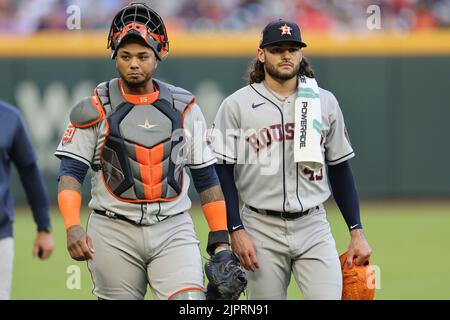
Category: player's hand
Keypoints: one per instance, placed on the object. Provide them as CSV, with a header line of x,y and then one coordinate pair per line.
x,y
358,249
243,246
43,245
79,244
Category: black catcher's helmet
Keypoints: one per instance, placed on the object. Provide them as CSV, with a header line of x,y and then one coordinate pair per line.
x,y
140,20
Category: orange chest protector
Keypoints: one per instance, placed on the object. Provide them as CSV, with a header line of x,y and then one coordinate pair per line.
x,y
144,149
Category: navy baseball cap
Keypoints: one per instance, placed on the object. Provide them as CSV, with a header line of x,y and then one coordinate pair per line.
x,y
281,31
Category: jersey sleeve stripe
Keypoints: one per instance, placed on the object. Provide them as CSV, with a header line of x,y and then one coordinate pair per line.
x,y
341,159
60,153
225,157
202,165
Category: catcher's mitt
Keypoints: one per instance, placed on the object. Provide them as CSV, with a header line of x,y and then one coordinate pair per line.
x,y
358,282
226,278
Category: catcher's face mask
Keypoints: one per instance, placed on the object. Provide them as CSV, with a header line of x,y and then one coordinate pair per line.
x,y
138,19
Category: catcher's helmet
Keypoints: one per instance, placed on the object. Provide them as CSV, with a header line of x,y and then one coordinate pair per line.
x,y
140,20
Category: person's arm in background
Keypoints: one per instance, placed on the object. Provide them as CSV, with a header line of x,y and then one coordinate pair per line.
x,y
24,158
241,244
346,197
71,177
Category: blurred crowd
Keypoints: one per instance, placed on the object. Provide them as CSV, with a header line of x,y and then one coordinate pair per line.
x,y
28,16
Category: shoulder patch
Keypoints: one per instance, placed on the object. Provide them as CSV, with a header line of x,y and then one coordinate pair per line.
x,y
68,134
86,113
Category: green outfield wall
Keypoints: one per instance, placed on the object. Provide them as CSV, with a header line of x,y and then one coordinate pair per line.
x,y
397,109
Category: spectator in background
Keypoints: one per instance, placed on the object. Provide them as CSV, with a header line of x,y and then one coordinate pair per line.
x,y
7,11
15,146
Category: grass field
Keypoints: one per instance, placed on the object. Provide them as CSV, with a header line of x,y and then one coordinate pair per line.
x,y
410,243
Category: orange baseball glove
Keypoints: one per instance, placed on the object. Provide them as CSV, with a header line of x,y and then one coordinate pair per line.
x,y
358,282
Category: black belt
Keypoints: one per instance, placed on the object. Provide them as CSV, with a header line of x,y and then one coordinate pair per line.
x,y
116,216
283,215
121,217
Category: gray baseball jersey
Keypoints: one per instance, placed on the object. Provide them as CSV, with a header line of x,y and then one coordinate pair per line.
x,y
254,128
85,145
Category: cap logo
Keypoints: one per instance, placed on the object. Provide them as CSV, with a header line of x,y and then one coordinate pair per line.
x,y
285,29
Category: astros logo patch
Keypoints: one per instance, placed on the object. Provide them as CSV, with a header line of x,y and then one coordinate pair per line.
x,y
285,29
68,134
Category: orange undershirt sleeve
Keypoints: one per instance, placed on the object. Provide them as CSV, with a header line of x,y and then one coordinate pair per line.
x,y
69,202
216,215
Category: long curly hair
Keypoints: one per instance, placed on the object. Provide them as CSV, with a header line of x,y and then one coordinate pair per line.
x,y
256,71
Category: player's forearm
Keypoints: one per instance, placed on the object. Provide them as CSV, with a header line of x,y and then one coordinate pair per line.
x,y
214,209
215,212
69,200
226,177
345,194
69,183
211,195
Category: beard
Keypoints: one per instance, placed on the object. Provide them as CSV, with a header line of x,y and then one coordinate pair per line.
x,y
135,83
281,76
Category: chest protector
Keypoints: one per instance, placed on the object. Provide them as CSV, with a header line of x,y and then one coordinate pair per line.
x,y
144,149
